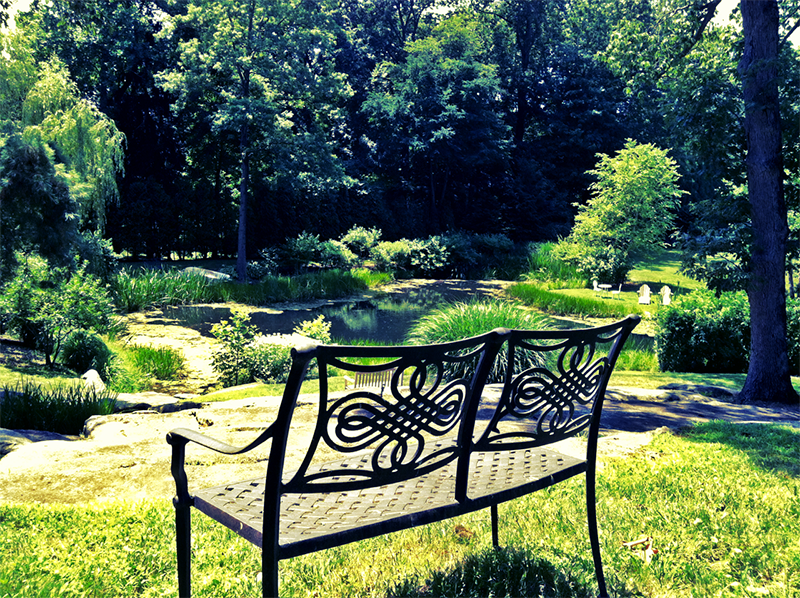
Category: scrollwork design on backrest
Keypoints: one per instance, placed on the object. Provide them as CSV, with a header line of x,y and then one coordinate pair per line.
x,y
397,422
395,432
543,404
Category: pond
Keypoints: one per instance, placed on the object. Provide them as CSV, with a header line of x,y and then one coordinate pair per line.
x,y
383,318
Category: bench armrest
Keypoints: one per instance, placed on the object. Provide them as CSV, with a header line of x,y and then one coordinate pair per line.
x,y
180,437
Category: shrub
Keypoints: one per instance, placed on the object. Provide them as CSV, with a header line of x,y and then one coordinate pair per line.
x,y
701,332
301,251
84,350
361,240
428,257
45,308
394,257
793,332
231,362
462,320
62,409
269,363
335,254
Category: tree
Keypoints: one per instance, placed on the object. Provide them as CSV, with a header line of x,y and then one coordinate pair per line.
x,y
437,112
89,145
36,209
631,212
768,376
263,71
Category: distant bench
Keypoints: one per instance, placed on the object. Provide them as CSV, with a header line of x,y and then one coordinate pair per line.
x,y
419,452
381,378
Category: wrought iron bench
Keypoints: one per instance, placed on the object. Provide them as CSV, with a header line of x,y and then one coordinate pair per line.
x,y
448,442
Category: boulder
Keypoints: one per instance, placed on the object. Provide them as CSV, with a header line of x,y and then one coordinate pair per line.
x,y
13,439
209,275
92,379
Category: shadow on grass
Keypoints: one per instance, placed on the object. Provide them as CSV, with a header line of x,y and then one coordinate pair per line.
x,y
771,447
507,572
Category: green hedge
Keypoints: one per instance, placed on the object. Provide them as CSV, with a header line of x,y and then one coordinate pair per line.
x,y
701,332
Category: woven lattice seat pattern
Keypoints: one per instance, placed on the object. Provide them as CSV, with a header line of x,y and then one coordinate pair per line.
x,y
313,520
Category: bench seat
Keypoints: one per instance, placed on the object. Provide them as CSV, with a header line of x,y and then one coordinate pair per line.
x,y
311,521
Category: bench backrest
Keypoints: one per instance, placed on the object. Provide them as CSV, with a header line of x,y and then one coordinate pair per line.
x,y
560,397
397,432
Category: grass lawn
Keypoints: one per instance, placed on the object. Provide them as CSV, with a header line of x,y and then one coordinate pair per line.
x,y
719,502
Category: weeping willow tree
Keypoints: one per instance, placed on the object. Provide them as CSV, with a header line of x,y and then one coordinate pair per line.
x,y
88,149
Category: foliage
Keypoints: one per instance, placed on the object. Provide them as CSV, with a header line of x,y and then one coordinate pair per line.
x,y
83,351
247,358
631,212
701,332
138,290
463,320
318,329
236,335
393,257
544,268
361,240
62,408
37,211
89,145
43,307
335,254
564,304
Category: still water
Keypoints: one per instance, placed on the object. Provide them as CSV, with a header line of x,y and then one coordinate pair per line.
x,y
386,318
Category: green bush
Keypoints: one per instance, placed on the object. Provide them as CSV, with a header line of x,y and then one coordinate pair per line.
x,y
269,363
335,254
393,257
231,362
303,250
361,240
462,320
84,350
245,359
429,258
43,307
62,409
701,332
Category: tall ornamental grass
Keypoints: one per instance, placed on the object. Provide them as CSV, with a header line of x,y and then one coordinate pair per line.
x,y
152,289
562,304
61,408
457,321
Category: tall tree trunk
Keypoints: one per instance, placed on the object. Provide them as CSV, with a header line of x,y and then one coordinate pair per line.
x,y
768,377
241,256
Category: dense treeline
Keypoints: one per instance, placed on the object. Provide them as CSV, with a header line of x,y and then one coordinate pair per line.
x,y
250,121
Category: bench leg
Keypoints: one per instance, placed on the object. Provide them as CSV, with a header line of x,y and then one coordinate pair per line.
x,y
183,533
594,538
495,534
269,574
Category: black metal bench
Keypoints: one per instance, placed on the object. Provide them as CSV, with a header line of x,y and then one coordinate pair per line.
x,y
443,444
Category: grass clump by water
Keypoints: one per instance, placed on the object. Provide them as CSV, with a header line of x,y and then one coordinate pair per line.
x,y
60,408
136,291
719,502
568,304
458,321
162,363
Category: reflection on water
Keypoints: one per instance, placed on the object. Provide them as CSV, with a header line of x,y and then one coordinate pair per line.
x,y
386,319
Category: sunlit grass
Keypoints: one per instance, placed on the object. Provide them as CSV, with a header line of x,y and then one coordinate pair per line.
x,y
720,503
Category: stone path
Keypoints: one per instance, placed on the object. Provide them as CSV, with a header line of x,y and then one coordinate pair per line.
x,y
125,456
